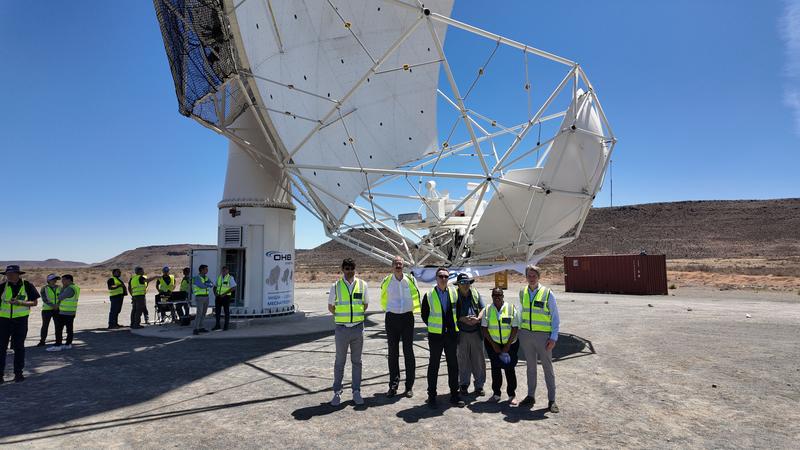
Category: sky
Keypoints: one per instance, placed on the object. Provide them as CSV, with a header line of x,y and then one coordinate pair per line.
x,y
704,97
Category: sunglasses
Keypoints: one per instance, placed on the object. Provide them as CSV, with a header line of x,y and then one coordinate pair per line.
x,y
443,276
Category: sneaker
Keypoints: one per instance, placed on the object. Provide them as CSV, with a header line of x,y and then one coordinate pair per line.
x,y
67,347
18,378
513,401
494,398
479,392
455,400
552,407
391,392
357,398
527,401
337,399
54,348
40,344
408,393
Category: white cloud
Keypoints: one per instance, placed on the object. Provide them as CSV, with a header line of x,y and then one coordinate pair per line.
x,y
790,32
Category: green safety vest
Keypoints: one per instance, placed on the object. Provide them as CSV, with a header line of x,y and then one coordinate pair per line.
x,y
9,311
51,294
137,287
349,307
436,316
224,284
412,287
200,291
69,305
186,285
536,314
500,324
119,288
166,287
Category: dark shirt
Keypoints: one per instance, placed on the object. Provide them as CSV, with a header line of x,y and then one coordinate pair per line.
x,y
467,306
111,283
30,289
447,320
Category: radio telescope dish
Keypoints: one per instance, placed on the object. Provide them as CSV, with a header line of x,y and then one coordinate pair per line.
x,y
484,153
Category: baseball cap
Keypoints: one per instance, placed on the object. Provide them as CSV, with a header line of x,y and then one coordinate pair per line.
x,y
464,278
52,277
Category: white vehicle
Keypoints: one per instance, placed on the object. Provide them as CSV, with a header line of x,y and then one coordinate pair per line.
x,y
482,154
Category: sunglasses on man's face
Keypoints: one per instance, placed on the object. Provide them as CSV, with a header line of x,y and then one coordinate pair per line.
x,y
443,276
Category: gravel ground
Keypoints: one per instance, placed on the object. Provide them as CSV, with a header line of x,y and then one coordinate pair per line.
x,y
628,375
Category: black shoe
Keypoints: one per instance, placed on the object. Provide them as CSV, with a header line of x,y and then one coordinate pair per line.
x,y
203,330
391,392
18,378
455,400
527,401
462,390
147,321
136,327
2,380
552,407
431,401
40,344
408,393
225,328
479,392
195,332
216,327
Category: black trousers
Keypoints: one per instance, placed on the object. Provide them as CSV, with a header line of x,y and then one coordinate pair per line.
x,y
63,321
163,306
15,330
116,308
447,342
139,308
223,303
183,308
46,316
401,327
498,369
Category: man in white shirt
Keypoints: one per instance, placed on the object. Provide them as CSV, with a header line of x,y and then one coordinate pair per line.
x,y
400,300
347,301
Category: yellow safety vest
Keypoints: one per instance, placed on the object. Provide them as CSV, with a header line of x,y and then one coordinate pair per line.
x,y
9,311
137,287
200,291
51,294
186,285
500,324
412,288
69,305
224,284
118,289
436,316
536,314
166,287
349,307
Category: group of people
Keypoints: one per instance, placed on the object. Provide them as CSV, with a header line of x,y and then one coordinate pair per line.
x,y
60,306
460,325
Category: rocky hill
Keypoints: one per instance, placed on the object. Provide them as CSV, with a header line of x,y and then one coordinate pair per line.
x,y
48,263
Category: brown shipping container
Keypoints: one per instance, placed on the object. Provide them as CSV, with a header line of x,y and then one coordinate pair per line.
x,y
616,274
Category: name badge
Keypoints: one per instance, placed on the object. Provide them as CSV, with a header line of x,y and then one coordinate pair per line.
x,y
538,304
506,320
358,295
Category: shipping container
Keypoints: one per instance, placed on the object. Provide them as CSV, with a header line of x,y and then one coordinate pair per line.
x,y
616,274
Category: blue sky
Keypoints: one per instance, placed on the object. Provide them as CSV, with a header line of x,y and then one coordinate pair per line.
x,y
703,95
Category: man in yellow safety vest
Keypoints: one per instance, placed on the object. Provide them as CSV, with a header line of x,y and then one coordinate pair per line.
x,y
137,286
223,293
49,294
348,302
67,309
500,325
116,295
400,300
17,296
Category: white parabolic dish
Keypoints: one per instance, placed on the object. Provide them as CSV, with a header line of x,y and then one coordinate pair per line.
x,y
361,107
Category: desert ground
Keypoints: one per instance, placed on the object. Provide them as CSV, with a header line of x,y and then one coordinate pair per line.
x,y
701,367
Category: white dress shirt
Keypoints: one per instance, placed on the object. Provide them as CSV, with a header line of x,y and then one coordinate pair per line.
x,y
399,299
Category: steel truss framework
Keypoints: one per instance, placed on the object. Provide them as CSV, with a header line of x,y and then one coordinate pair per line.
x,y
366,213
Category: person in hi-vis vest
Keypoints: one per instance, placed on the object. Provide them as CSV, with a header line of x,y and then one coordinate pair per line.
x,y
347,301
49,297
223,294
400,300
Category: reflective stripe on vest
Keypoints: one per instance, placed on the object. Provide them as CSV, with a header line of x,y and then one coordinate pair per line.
x,y
436,316
412,288
137,287
9,311
536,314
118,289
69,305
200,291
500,324
51,295
166,287
349,307
224,285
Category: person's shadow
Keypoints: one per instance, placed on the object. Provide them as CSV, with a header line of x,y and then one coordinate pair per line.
x,y
425,411
513,414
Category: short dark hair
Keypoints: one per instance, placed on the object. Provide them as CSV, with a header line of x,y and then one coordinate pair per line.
x,y
441,268
67,277
223,267
115,270
497,290
187,270
348,262
202,266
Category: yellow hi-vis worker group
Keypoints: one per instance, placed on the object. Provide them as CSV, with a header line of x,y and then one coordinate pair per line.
x,y
459,325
